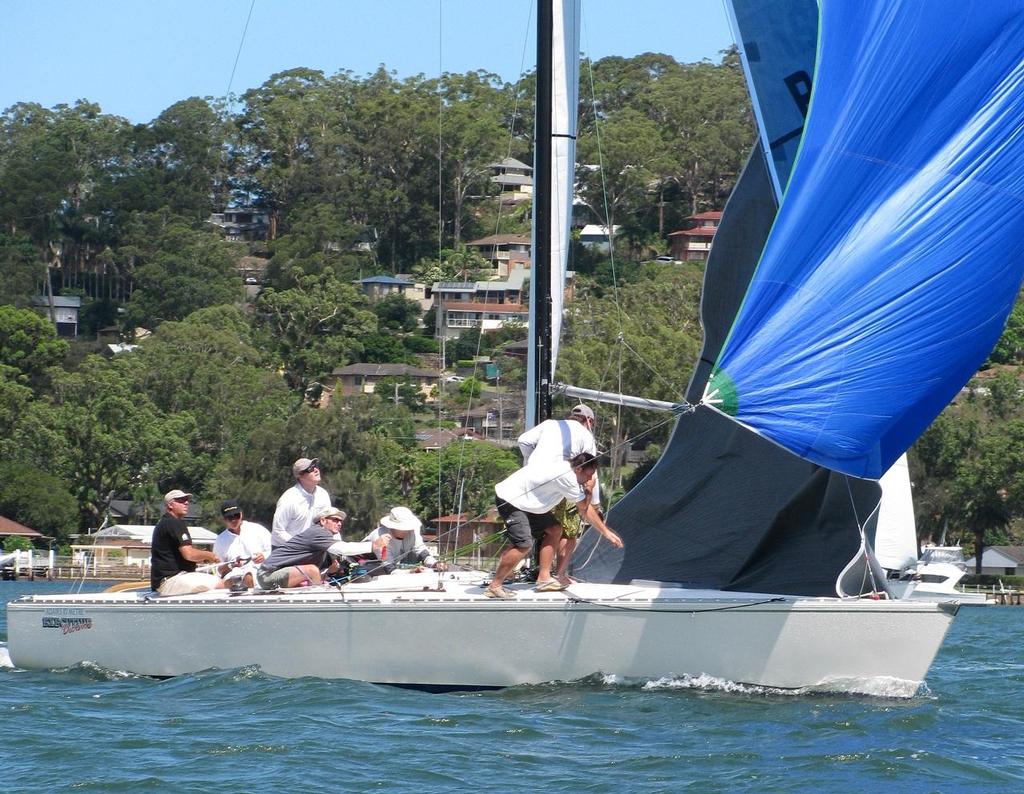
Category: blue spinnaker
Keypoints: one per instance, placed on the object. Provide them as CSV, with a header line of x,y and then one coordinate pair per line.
x,y
776,39
898,251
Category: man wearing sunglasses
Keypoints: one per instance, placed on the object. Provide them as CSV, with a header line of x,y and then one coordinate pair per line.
x,y
306,557
241,547
301,503
173,558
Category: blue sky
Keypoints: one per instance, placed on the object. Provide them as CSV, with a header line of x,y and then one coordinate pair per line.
x,y
137,57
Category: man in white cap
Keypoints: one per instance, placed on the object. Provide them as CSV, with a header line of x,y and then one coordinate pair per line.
x,y
173,558
303,559
554,440
406,544
299,505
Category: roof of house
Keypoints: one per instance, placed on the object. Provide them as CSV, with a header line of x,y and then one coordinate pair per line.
x,y
501,239
454,286
59,301
9,527
442,437
1015,553
510,162
711,215
385,280
384,370
700,231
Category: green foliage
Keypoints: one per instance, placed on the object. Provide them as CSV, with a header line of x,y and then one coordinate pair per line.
x,y
468,472
658,320
314,327
205,368
37,499
470,388
383,348
102,437
16,543
1010,347
23,270
420,344
397,389
29,344
184,271
397,313
360,443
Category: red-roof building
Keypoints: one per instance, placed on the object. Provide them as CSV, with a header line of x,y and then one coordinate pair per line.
x,y
453,532
693,243
10,528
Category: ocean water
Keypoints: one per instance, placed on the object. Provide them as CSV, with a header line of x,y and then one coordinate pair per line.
x,y
94,730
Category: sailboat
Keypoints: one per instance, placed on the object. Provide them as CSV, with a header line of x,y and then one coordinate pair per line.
x,y
748,548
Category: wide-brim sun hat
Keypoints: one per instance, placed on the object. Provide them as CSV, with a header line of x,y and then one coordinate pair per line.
x,y
401,519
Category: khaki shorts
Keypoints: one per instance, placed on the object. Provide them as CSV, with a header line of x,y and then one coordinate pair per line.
x,y
186,582
273,580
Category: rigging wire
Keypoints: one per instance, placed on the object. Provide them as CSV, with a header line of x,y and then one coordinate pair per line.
x,y
238,54
459,479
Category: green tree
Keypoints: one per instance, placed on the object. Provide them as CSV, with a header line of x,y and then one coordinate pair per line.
x,y
206,368
314,327
395,312
37,499
362,446
468,472
101,436
186,270
22,267
29,344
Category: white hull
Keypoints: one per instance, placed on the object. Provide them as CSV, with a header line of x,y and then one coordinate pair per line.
x,y
457,639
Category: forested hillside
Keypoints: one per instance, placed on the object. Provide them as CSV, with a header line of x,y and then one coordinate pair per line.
x,y
223,394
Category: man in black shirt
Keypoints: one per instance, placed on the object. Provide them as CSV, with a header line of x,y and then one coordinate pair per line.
x,y
173,558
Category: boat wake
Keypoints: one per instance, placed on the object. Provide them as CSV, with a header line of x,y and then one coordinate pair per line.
x,y
96,672
5,658
878,686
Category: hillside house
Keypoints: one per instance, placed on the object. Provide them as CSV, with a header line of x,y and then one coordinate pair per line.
x,y
514,180
363,379
63,312
693,243
504,252
241,224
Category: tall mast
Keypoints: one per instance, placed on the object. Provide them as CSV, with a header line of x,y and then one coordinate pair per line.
x,y
540,280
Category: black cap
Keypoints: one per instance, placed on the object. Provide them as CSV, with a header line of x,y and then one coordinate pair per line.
x,y
229,506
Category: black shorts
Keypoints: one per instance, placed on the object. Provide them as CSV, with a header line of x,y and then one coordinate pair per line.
x,y
523,528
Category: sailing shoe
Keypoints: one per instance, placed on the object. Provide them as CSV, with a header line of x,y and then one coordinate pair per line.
x,y
502,593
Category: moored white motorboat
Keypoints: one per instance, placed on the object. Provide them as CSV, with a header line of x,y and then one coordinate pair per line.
x,y
935,578
439,632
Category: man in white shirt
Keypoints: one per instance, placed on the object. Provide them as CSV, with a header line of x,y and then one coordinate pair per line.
x,y
242,546
300,504
525,500
562,439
